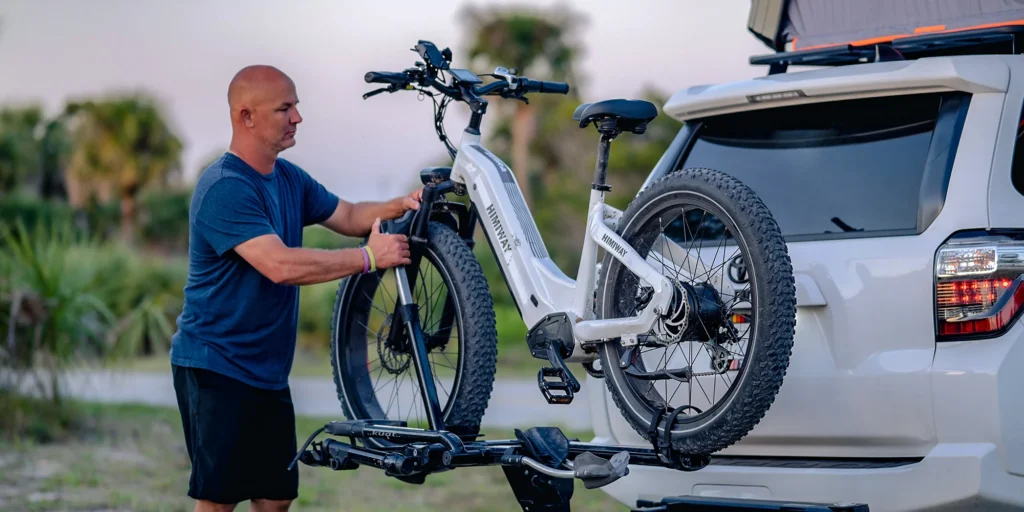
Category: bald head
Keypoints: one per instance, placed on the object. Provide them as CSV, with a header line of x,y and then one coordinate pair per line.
x,y
252,84
263,103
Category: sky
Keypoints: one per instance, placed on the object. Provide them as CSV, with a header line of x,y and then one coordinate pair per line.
x,y
185,52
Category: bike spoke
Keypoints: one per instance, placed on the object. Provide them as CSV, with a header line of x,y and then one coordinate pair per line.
x,y
412,406
378,376
705,255
374,306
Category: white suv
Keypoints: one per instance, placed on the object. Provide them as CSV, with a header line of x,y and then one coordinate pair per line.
x,y
896,396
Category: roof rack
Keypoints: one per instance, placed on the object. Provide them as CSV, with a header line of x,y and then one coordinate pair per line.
x,y
996,40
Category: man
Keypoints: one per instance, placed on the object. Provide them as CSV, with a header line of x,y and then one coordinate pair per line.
x,y
233,350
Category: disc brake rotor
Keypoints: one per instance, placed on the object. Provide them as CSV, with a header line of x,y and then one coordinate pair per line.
x,y
394,361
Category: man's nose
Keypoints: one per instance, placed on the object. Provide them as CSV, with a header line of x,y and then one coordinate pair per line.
x,y
296,117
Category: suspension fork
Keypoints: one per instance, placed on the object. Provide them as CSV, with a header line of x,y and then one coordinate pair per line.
x,y
405,326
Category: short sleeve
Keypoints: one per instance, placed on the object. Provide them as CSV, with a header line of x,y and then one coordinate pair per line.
x,y
231,213
318,202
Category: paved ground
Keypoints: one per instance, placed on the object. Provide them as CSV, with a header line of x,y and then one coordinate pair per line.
x,y
514,402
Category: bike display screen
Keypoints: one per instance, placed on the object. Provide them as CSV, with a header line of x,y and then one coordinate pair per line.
x,y
465,76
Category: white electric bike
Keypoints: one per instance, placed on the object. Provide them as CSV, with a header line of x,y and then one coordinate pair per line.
x,y
689,317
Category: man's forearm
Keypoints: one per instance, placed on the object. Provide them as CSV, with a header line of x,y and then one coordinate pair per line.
x,y
302,266
363,214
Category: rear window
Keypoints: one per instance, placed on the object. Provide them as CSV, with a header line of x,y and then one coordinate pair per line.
x,y
866,167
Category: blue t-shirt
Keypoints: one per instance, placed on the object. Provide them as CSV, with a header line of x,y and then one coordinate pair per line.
x,y
236,321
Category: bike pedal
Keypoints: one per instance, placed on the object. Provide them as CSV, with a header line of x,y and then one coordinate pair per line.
x,y
560,391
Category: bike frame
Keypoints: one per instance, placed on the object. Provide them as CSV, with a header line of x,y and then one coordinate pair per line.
x,y
538,286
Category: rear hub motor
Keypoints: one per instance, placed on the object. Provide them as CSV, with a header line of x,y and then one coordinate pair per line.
x,y
696,313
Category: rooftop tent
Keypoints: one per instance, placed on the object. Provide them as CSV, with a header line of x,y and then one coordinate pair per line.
x,y
795,25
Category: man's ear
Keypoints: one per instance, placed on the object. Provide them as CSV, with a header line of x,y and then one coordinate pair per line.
x,y
246,116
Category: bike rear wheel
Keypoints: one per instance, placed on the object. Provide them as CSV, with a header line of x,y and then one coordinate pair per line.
x,y
375,378
715,240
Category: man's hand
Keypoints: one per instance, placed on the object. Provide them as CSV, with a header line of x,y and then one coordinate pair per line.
x,y
355,219
388,250
412,200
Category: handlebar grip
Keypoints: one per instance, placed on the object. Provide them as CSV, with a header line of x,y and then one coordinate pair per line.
x,y
386,77
545,87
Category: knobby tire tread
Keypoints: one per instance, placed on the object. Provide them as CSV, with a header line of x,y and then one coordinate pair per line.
x,y
775,317
479,333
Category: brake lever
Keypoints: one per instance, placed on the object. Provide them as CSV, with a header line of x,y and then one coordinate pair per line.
x,y
514,95
376,92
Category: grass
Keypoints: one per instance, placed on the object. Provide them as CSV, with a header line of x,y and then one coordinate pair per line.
x,y
132,457
312,359
513,362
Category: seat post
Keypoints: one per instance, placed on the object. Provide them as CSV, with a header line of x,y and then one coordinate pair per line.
x,y
608,130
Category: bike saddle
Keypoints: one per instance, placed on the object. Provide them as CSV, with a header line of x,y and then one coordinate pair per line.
x,y
629,115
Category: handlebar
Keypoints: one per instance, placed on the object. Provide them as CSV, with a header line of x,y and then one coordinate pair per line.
x,y
465,86
507,87
544,87
387,77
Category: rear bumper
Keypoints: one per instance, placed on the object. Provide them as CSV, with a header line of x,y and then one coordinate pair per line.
x,y
975,460
951,477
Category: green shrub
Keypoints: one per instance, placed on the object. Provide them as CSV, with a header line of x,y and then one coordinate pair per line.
x,y
164,218
53,317
66,299
32,212
319,237
35,420
316,305
145,293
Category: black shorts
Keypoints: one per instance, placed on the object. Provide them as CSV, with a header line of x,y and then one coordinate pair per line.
x,y
240,438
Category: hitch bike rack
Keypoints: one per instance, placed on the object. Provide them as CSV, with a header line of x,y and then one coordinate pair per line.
x,y
540,464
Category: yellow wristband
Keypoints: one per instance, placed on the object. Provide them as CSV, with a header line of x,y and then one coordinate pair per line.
x,y
373,263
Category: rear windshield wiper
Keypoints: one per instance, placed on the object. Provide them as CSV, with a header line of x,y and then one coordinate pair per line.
x,y
844,226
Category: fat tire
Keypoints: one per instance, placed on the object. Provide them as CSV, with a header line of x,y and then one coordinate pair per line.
x,y
478,336
775,315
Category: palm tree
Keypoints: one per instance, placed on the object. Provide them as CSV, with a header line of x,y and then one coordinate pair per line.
x,y
54,148
539,44
124,143
19,146
33,150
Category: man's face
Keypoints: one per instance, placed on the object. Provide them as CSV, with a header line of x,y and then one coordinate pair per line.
x,y
275,115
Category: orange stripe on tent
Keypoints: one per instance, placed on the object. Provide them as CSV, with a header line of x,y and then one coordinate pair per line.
x,y
932,29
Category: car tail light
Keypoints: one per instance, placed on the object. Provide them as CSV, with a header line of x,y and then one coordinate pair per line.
x,y
978,287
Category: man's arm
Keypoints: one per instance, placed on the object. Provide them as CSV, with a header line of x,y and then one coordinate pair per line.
x,y
231,217
350,219
300,266
355,219
297,265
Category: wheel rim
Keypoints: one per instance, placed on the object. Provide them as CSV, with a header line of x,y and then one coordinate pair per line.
x,y
379,379
698,228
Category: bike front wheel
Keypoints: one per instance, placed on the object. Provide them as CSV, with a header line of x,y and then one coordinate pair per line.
x,y
374,372
715,361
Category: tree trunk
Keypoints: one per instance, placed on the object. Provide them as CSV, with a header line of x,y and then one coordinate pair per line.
x,y
128,219
522,135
